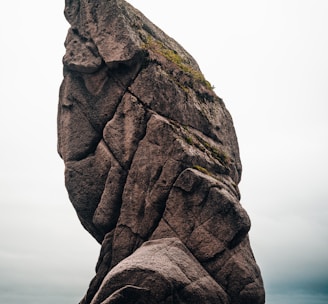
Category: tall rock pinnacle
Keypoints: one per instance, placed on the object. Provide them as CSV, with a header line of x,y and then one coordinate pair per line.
x,y
151,165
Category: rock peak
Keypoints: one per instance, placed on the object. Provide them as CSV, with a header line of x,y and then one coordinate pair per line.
x,y
151,164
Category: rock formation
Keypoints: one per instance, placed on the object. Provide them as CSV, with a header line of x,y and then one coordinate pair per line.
x,y
151,164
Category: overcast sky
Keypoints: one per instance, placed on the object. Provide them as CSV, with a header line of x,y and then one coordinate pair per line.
x,y
268,61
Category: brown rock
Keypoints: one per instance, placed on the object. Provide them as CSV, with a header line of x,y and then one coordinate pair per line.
x,y
159,272
152,164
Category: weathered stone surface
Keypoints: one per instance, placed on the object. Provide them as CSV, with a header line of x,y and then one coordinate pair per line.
x,y
152,164
159,272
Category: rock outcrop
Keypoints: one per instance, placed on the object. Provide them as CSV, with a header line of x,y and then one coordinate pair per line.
x,y
151,164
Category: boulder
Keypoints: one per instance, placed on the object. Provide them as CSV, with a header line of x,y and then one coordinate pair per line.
x,y
151,164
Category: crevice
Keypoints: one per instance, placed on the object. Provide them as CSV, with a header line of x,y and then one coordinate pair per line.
x,y
238,237
201,144
160,211
127,166
139,239
93,147
112,154
100,137
172,229
120,69
215,257
118,202
204,200
77,33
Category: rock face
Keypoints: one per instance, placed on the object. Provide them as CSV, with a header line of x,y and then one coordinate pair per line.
x,y
151,164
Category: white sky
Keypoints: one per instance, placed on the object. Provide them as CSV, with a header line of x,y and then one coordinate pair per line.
x,y
267,60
